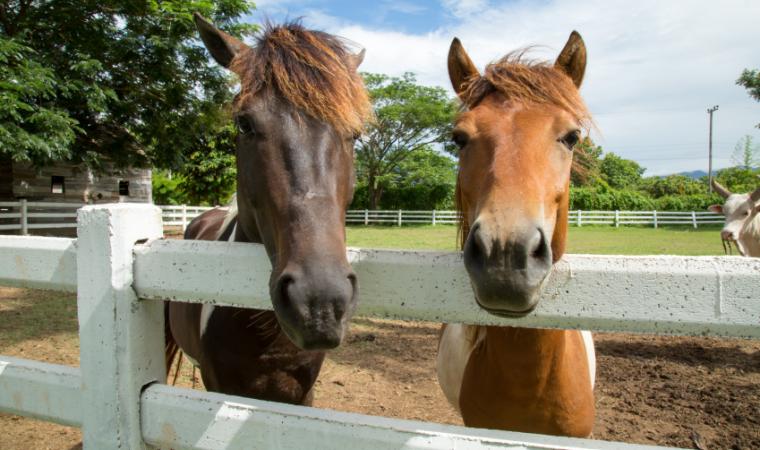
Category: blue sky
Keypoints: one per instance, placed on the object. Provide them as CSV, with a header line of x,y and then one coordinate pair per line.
x,y
654,66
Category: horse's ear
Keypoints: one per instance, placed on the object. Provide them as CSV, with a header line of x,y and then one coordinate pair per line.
x,y
461,67
356,59
222,46
572,58
717,209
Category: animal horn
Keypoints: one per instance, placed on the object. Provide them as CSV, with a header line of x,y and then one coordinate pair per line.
x,y
725,193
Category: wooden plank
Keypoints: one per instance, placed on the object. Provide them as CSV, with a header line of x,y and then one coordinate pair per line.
x,y
38,262
43,391
652,294
188,419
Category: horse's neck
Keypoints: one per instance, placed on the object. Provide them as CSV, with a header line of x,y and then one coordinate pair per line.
x,y
514,350
529,380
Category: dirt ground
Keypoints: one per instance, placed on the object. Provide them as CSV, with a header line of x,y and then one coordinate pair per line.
x,y
686,392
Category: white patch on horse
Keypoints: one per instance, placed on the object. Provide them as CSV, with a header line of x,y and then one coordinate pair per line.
x,y
588,342
454,352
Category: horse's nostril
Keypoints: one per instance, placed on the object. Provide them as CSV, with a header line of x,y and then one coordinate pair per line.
x,y
539,246
283,284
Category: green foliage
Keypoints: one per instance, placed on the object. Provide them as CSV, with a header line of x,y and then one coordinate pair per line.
x,y
208,178
746,154
124,79
408,119
750,80
672,185
620,173
585,171
166,190
738,179
31,125
425,180
692,202
608,199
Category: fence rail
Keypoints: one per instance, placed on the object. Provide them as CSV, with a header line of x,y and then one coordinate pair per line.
x,y
119,404
24,216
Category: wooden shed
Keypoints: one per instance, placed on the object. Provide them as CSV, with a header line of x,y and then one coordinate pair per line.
x,y
44,200
70,183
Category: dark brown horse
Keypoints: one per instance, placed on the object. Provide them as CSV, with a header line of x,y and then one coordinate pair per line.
x,y
301,106
517,136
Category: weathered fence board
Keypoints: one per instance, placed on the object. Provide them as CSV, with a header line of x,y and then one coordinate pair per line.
x,y
40,390
38,262
120,406
186,419
716,296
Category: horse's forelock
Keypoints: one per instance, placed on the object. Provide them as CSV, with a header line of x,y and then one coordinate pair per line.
x,y
311,70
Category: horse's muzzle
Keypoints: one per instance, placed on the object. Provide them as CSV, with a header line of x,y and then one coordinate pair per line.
x,y
507,276
314,307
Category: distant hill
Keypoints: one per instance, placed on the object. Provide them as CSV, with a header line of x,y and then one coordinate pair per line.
x,y
694,174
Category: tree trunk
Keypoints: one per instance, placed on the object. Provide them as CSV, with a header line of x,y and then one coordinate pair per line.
x,y
373,191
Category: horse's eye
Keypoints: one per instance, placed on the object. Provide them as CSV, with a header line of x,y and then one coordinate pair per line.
x,y
571,139
244,125
460,138
356,136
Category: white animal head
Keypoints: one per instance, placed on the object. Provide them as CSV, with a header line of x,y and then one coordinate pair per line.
x,y
738,209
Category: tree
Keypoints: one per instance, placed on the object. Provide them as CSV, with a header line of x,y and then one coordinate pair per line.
x,y
746,154
750,80
677,185
620,173
424,180
408,119
124,79
210,173
586,163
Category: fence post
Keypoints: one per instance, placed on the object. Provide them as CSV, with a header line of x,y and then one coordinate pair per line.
x,y
433,217
24,217
121,338
617,218
366,217
184,218
694,219
580,221
655,218
399,217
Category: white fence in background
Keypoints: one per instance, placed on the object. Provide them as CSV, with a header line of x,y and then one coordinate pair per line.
x,y
25,216
120,272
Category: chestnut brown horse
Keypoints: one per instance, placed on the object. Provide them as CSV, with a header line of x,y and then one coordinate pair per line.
x,y
301,106
520,124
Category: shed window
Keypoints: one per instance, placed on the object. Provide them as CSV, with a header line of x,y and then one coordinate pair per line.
x,y
124,187
57,185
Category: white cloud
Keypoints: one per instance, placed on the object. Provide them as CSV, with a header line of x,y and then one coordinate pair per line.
x,y
654,67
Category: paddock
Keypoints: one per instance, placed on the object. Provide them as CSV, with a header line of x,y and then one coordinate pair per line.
x,y
675,295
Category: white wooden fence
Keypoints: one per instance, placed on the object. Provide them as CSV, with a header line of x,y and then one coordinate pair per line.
x,y
119,270
576,217
25,216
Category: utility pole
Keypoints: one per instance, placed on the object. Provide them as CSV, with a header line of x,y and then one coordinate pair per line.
x,y
710,111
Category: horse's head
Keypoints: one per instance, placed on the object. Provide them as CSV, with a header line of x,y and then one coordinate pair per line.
x,y
301,106
516,135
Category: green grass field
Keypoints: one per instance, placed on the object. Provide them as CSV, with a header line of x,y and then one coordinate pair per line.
x,y
595,240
